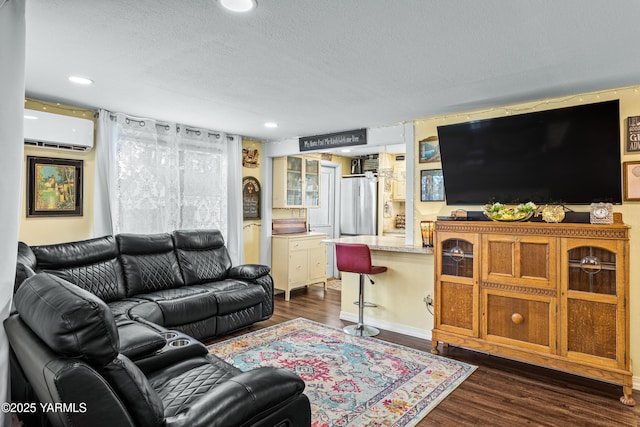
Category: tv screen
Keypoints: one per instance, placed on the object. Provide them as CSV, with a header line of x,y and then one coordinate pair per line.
x,y
567,155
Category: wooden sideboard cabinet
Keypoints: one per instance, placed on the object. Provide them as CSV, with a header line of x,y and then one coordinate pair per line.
x,y
554,295
298,260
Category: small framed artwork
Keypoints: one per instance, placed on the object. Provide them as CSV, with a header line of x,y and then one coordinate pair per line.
x,y
631,177
431,185
429,150
250,198
54,187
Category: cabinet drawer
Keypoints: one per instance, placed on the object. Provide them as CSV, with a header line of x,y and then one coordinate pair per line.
x,y
522,320
298,244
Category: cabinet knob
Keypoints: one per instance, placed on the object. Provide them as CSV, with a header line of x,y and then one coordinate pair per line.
x,y
517,318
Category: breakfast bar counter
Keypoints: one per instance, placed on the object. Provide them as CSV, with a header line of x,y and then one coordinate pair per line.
x,y
399,292
383,243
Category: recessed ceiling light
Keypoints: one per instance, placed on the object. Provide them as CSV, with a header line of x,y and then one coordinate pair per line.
x,y
345,150
239,5
270,125
80,80
31,117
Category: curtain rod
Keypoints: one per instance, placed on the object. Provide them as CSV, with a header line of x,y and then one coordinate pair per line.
x,y
142,123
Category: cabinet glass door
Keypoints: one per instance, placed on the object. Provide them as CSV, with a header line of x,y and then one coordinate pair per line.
x,y
592,303
457,258
312,183
294,181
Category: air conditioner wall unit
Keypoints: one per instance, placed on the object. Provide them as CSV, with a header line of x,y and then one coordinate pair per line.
x,y
48,130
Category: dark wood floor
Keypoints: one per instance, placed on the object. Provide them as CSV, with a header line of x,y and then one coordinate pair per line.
x,y
499,393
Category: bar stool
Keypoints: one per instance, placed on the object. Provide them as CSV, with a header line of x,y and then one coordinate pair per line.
x,y
356,258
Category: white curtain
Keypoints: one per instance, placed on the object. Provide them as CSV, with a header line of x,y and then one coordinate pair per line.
x,y
159,177
12,58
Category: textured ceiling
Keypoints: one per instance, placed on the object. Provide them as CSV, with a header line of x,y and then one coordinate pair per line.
x,y
320,66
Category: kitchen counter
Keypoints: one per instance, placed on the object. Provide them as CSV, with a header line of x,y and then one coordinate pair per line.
x,y
382,243
399,292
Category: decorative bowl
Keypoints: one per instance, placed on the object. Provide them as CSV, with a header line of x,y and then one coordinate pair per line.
x,y
509,217
500,212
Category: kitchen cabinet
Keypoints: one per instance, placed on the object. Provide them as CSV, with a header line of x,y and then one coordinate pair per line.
x,y
296,182
298,260
553,295
399,184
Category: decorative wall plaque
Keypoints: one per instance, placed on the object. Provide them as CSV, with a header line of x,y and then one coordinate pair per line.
x,y
250,198
633,133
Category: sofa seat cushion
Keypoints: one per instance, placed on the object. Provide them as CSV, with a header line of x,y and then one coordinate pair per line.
x,y
234,295
120,309
179,305
183,384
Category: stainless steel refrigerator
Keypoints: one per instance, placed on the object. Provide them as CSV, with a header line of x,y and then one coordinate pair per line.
x,y
358,206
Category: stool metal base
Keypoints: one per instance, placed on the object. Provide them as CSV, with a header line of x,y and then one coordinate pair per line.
x,y
360,330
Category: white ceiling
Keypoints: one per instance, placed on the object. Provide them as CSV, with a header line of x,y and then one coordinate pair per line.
x,y
321,66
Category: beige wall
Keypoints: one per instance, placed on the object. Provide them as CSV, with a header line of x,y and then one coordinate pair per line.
x,y
629,106
45,230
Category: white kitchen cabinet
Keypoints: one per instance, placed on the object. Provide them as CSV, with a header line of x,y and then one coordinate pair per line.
x,y
298,260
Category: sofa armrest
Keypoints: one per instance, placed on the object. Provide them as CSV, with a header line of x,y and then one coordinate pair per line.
x,y
242,400
248,271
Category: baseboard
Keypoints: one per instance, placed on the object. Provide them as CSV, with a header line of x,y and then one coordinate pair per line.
x,y
418,333
388,326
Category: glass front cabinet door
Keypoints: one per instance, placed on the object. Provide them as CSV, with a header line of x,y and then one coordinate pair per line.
x,y
296,182
456,283
593,303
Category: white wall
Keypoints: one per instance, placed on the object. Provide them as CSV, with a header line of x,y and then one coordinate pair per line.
x,y
12,57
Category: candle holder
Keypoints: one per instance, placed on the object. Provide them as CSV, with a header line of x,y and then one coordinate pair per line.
x,y
427,228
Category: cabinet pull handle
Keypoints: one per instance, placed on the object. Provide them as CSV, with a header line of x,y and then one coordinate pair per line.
x,y
517,318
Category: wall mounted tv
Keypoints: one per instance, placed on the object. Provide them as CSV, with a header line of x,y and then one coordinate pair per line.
x,y
569,155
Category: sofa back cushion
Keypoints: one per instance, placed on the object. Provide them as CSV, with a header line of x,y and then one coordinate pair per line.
x,y
149,262
90,264
202,255
71,321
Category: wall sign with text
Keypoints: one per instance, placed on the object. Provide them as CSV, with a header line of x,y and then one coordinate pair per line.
x,y
333,140
633,133
250,198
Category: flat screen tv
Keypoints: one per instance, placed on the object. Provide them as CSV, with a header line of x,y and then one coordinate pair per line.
x,y
567,155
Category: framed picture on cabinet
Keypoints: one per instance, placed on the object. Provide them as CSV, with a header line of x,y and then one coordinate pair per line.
x,y
429,150
431,185
631,177
54,187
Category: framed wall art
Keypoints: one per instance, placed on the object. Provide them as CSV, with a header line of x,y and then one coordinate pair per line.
x,y
429,150
631,177
54,187
431,185
250,198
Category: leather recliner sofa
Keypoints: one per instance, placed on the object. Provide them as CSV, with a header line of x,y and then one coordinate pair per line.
x,y
69,351
183,280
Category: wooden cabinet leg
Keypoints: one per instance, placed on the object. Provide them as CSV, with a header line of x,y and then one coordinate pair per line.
x,y
627,397
434,347
286,294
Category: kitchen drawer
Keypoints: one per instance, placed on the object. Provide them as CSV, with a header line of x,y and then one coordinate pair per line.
x,y
519,319
304,243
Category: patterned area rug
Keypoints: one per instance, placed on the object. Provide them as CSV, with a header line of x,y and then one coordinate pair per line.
x,y
350,381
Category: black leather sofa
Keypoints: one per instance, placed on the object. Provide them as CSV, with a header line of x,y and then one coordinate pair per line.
x,y
68,347
183,280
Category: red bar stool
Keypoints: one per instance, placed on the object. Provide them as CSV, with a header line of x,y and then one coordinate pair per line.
x,y
356,258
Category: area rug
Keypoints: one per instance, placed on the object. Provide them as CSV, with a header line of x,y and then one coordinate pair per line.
x,y
350,381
